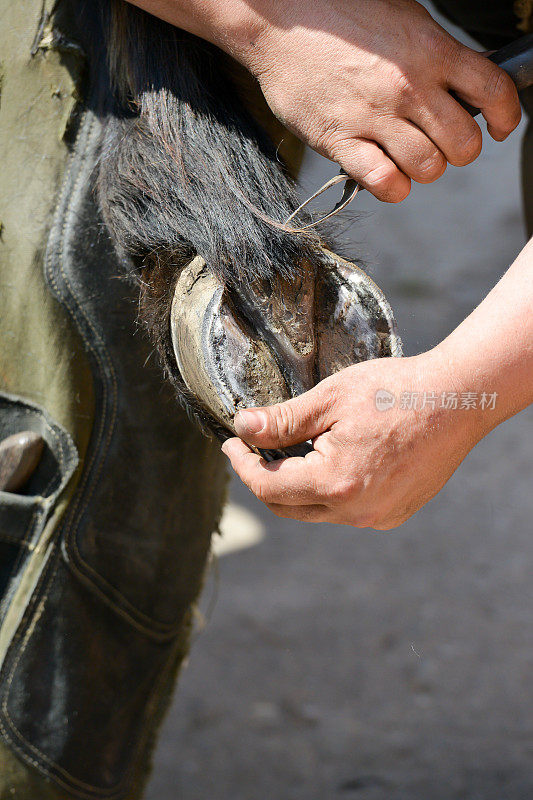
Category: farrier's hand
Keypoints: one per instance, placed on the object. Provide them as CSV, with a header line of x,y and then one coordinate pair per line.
x,y
364,82
369,467
376,468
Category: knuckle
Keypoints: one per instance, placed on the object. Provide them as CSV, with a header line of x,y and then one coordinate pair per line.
x,y
402,84
499,87
387,182
260,491
377,520
304,514
362,521
329,389
371,517
468,147
431,168
369,521
381,177
284,419
389,524
279,511
343,490
329,141
326,141
384,526
451,53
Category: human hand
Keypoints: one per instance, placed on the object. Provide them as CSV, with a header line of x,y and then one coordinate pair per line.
x,y
368,468
377,468
366,84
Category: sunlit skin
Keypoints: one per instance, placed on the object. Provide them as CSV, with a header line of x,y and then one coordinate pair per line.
x,y
373,468
364,83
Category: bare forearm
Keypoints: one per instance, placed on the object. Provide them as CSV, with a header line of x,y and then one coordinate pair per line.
x,y
372,467
365,83
230,24
492,350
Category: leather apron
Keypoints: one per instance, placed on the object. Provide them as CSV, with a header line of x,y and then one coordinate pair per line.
x,y
103,553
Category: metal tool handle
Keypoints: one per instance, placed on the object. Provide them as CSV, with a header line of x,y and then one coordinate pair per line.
x,y
516,59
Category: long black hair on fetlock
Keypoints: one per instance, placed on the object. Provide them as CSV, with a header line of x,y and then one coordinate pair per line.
x,y
186,170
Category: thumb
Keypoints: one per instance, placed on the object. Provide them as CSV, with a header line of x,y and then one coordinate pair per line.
x,y
288,423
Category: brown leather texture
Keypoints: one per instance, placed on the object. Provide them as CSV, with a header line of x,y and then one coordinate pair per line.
x,y
99,600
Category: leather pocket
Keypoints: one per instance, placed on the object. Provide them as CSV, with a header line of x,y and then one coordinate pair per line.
x,y
23,514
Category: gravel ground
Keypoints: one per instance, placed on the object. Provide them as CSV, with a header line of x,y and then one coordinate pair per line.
x,y
338,663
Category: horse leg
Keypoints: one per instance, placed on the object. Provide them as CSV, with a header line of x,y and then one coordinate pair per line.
x,y
243,309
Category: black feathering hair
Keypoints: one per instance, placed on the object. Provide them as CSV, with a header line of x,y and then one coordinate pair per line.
x,y
186,170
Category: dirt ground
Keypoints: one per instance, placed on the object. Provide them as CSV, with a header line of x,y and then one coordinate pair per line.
x,y
338,663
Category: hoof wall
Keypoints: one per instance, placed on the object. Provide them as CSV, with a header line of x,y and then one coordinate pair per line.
x,y
271,343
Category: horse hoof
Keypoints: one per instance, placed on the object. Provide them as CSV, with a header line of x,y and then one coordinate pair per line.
x,y
274,340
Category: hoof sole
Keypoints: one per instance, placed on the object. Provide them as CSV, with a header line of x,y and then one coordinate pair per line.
x,y
273,342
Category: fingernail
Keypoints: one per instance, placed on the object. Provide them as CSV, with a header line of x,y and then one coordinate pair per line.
x,y
250,421
223,448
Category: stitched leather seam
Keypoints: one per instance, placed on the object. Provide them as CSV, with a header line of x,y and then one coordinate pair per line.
x,y
67,191
141,621
44,504
69,299
77,313
24,743
56,770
